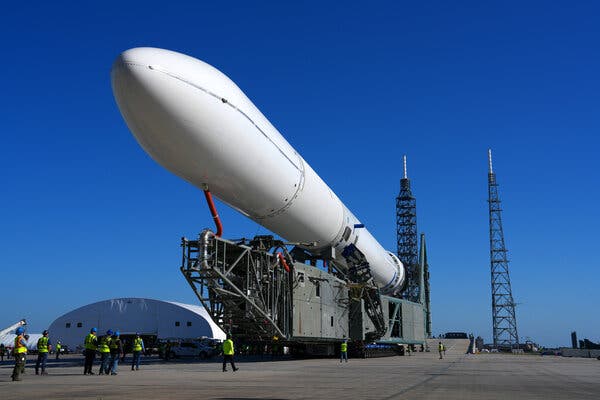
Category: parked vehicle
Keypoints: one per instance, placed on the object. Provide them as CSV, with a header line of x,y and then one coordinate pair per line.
x,y
192,349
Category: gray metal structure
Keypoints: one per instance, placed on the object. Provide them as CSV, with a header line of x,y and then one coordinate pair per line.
x,y
253,293
414,258
256,290
238,284
426,288
406,233
503,305
405,322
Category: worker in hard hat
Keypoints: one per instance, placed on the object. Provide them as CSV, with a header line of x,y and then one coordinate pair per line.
x,y
274,347
91,344
344,350
116,351
138,347
20,353
58,347
104,349
441,349
167,352
228,353
43,347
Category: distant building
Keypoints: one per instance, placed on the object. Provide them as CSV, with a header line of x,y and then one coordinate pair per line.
x,y
154,319
456,335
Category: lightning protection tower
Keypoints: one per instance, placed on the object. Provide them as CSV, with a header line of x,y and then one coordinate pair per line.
x,y
503,306
406,231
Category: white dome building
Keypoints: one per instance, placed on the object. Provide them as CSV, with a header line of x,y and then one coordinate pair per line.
x,y
151,318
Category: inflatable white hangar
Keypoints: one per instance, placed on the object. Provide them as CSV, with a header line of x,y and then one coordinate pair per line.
x,y
151,318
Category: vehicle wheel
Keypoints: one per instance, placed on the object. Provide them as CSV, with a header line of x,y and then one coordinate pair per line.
x,y
203,355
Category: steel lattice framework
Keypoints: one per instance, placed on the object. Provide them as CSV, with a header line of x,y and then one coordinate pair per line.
x,y
426,295
503,306
406,231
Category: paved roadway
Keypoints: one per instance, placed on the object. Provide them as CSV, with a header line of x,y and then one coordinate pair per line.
x,y
420,376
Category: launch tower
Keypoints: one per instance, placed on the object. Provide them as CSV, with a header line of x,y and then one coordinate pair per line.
x,y
406,230
503,306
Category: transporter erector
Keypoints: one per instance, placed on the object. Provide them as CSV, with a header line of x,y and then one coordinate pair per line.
x,y
195,121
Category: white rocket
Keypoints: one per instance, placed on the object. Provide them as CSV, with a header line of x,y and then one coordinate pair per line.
x,y
194,121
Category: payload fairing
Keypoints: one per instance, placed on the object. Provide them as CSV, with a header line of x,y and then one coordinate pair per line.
x,y
194,121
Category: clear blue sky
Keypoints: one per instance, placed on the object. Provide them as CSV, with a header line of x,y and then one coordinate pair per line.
x,y
86,215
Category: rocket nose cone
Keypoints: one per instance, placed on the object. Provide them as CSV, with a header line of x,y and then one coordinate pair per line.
x,y
149,57
130,61
152,92
167,61
144,56
141,55
141,93
130,64
120,73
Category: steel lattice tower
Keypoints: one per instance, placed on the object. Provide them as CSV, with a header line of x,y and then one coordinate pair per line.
x,y
503,306
406,231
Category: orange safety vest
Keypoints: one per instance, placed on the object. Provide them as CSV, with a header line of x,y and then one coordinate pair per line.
x,y
20,347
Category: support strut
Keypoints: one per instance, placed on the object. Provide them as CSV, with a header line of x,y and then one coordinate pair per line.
x,y
213,212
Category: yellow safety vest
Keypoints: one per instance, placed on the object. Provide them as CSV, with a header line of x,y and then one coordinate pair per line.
x,y
137,344
344,347
42,344
228,347
441,347
104,343
90,342
114,343
19,347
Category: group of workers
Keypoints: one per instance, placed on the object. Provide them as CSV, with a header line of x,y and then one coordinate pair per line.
x,y
109,346
20,353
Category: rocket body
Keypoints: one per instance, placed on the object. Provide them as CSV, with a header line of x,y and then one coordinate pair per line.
x,y
194,121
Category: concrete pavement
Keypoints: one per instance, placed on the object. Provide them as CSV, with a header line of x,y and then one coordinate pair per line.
x,y
420,376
